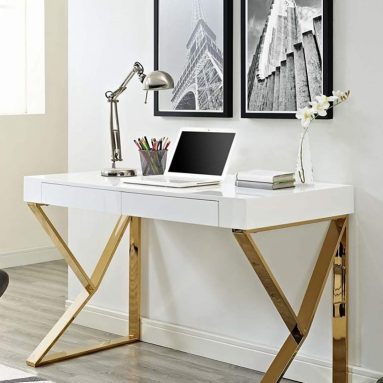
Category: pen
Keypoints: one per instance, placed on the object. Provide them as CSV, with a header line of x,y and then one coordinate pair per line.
x,y
143,144
147,142
138,146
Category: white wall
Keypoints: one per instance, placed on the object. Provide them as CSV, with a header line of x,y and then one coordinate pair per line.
x,y
35,144
197,278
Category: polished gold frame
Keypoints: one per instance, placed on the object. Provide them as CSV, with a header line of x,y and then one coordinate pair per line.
x,y
333,254
40,355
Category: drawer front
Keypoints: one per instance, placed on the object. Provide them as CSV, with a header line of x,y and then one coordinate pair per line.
x,y
82,198
187,210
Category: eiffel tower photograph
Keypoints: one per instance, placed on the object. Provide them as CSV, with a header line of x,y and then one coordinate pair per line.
x,y
284,54
191,41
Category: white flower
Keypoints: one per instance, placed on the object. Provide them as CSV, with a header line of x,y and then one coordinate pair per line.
x,y
340,95
325,100
306,115
320,108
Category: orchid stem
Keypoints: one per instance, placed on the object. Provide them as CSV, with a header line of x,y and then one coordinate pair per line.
x,y
301,171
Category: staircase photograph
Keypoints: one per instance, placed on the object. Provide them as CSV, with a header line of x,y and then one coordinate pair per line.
x,y
284,54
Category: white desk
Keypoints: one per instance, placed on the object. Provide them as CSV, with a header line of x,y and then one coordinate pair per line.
x,y
244,211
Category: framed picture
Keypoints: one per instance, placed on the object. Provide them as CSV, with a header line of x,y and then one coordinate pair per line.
x,y
286,55
193,41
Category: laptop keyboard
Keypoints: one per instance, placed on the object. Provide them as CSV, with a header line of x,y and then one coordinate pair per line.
x,y
174,180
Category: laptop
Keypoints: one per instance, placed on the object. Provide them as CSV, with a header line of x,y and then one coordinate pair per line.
x,y
201,157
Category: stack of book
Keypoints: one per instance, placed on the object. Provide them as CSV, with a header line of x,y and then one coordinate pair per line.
x,y
265,179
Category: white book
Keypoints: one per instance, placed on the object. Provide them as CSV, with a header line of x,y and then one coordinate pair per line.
x,y
266,176
264,185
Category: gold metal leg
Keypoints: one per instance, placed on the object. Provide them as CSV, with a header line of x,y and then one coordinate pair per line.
x,y
340,312
39,355
135,278
299,325
61,246
269,282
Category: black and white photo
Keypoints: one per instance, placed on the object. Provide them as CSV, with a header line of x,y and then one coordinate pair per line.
x,y
286,55
193,42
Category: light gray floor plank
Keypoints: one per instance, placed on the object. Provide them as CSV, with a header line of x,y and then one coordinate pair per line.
x,y
34,301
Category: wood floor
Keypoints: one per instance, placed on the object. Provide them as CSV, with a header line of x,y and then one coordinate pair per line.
x,y
35,300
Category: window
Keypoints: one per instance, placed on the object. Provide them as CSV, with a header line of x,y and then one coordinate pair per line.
x,y
22,58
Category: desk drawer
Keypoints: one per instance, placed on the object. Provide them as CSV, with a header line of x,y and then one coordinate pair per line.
x,y
82,198
185,210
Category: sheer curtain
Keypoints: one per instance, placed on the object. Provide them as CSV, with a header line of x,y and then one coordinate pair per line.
x,y
22,78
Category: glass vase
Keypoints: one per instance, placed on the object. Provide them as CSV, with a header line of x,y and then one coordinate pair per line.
x,y
304,171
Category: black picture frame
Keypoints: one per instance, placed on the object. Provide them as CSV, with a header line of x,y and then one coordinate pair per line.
x,y
326,60
227,108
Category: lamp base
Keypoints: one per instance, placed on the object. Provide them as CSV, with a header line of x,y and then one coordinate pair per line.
x,y
115,172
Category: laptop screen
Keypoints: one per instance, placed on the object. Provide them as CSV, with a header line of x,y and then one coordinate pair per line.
x,y
202,153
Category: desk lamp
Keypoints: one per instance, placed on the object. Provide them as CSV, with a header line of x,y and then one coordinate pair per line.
x,y
154,81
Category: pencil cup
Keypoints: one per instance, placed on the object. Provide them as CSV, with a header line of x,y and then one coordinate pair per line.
x,y
153,162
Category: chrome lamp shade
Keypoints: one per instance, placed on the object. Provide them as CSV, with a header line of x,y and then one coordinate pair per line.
x,y
158,80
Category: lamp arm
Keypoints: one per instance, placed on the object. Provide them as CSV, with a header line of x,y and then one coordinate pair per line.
x,y
112,98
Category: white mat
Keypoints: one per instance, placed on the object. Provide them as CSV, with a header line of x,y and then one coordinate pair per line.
x,y
11,375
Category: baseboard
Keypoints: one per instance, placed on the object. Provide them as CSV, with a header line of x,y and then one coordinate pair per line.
x,y
28,257
102,319
224,349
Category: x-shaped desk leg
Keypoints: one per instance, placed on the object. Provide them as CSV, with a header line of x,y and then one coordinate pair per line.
x,y
40,355
332,254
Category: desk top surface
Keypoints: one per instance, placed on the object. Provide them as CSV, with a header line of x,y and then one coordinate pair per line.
x,y
225,190
234,205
